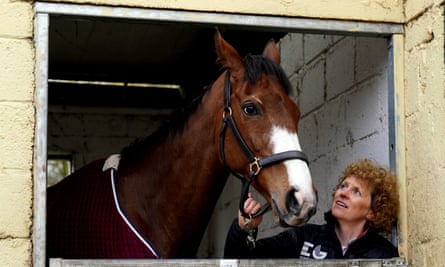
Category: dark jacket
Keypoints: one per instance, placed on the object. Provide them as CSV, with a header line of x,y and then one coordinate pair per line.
x,y
308,242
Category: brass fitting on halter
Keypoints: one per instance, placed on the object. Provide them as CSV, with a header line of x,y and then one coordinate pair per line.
x,y
227,111
255,166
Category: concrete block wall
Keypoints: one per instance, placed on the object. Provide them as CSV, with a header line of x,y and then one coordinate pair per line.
x,y
89,134
341,86
16,132
342,91
425,132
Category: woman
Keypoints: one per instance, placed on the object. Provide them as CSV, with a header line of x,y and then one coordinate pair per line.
x,y
365,202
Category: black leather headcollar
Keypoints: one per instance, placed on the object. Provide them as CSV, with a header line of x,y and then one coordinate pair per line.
x,y
255,163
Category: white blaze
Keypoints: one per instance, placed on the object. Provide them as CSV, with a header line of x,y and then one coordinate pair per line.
x,y
297,170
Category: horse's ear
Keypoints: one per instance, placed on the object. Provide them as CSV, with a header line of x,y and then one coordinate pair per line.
x,y
228,57
271,51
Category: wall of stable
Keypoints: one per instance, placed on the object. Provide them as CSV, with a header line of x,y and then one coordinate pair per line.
x,y
423,95
425,132
88,134
16,132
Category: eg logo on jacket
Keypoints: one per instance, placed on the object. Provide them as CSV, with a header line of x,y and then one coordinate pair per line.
x,y
309,249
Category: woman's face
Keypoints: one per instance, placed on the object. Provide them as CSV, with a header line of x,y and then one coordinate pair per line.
x,y
352,201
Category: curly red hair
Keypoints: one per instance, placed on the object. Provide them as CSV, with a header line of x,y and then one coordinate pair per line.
x,y
385,191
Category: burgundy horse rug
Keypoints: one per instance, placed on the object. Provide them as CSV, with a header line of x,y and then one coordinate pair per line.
x,y
92,219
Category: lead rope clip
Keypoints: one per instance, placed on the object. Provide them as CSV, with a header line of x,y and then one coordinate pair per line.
x,y
250,240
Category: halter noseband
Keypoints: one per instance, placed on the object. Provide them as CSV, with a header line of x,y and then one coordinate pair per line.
x,y
255,163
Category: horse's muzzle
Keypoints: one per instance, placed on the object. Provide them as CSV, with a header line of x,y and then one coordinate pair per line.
x,y
299,210
292,204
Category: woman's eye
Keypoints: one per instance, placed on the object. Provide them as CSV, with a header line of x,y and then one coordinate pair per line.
x,y
357,193
250,109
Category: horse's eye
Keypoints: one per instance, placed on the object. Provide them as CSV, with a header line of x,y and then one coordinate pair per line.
x,y
251,109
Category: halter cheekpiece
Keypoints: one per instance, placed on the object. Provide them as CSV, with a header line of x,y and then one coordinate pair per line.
x,y
255,163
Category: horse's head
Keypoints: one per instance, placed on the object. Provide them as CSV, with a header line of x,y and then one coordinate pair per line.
x,y
262,145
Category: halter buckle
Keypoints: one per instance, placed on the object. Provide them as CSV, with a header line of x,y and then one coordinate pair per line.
x,y
255,166
227,111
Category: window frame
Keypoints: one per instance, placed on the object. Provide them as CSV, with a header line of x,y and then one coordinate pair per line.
x,y
394,32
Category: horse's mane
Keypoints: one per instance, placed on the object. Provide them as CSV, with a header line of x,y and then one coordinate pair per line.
x,y
173,125
255,65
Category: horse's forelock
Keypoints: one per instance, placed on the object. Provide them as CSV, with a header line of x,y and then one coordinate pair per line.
x,y
256,65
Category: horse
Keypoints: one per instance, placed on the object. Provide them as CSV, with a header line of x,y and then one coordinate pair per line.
x,y
155,198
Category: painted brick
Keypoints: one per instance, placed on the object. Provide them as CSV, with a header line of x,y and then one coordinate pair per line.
x,y
425,131
416,82
364,111
16,135
419,32
295,81
423,40
16,19
324,180
16,208
16,252
17,70
340,67
413,7
94,134
372,57
104,125
16,131
307,133
374,147
291,48
329,120
313,87
65,124
314,44
381,10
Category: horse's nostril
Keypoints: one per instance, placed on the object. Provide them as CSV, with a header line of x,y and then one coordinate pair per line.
x,y
292,203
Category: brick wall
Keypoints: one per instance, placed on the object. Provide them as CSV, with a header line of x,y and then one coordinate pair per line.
x,y
342,90
89,134
16,132
425,132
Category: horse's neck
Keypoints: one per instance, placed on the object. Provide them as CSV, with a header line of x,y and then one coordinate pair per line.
x,y
183,178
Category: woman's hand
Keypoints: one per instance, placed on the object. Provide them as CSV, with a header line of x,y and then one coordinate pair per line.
x,y
251,206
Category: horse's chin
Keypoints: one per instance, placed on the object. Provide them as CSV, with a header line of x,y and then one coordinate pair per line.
x,y
289,219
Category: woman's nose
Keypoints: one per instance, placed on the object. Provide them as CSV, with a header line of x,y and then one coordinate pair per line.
x,y
344,193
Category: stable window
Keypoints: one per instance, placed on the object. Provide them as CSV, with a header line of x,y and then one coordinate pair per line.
x,y
59,166
87,89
